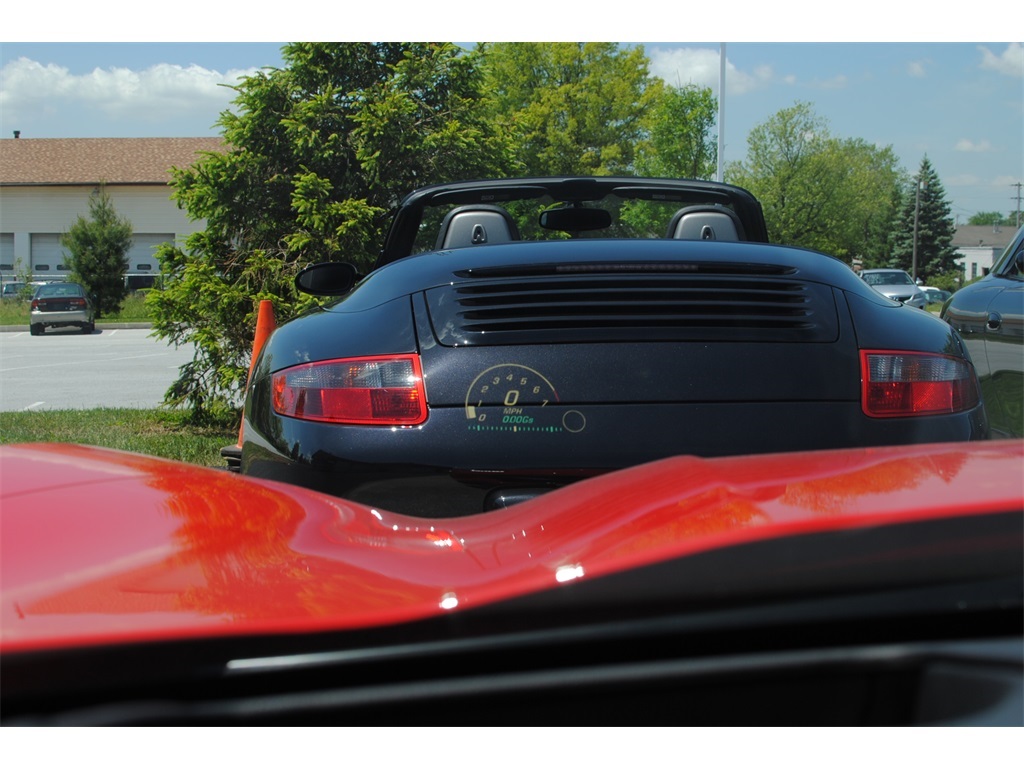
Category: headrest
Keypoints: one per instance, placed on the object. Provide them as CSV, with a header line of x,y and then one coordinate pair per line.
x,y
476,225
705,222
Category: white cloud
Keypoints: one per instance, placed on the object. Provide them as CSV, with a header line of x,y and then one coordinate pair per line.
x,y
700,66
155,94
1009,62
832,84
916,69
966,145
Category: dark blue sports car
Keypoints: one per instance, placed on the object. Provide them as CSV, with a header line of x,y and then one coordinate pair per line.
x,y
518,335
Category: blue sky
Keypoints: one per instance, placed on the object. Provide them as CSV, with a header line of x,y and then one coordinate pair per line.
x,y
959,103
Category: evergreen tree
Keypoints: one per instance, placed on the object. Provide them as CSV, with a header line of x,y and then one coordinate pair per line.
x,y
98,247
925,200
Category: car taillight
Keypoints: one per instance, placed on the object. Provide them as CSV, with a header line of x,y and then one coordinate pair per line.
x,y
915,384
77,303
35,304
385,390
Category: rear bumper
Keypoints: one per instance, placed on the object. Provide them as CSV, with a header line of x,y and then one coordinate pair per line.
x,y
455,461
77,317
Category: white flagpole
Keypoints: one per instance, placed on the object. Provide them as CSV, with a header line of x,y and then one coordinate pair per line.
x,y
721,111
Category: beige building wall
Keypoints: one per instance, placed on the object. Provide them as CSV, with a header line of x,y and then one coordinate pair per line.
x,y
45,211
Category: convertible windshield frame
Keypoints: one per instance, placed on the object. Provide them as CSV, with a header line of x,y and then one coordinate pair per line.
x,y
585,191
1011,262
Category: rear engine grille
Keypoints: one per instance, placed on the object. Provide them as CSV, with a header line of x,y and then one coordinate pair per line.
x,y
632,307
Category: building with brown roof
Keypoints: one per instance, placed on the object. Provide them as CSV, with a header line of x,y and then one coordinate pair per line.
x,y
45,186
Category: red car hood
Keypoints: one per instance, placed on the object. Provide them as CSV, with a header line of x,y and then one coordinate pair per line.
x,y
100,546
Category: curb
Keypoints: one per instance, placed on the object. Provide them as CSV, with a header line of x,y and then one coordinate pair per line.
x,y
99,327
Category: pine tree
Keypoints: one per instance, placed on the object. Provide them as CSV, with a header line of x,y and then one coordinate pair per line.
x,y
925,200
99,247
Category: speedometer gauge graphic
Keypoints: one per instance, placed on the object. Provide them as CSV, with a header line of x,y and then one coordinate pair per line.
x,y
508,386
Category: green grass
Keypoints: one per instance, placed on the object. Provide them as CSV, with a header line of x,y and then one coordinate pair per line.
x,y
134,310
156,432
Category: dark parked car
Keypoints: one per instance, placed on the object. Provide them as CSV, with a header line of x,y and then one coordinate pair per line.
x,y
60,305
935,295
989,315
12,290
518,335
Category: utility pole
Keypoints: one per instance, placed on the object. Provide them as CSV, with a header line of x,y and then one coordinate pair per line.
x,y
721,112
1017,198
921,184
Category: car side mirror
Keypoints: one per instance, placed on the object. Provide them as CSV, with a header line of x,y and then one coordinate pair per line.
x,y
328,278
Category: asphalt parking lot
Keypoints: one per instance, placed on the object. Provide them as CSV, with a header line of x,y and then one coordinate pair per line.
x,y
114,367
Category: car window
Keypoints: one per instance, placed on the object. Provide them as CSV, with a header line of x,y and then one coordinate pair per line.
x,y
888,278
57,291
629,219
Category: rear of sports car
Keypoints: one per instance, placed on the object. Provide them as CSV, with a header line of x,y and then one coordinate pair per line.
x,y
452,382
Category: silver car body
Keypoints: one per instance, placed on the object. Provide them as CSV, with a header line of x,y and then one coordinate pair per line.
x,y
895,284
59,305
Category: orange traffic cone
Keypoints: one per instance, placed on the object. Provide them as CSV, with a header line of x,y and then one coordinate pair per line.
x,y
265,324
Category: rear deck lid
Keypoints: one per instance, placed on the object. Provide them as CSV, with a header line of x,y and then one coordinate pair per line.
x,y
632,301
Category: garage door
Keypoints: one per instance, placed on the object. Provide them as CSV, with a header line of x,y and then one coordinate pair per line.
x,y
7,253
142,254
49,259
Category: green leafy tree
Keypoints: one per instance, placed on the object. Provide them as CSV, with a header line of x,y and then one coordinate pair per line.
x,y
947,281
678,141
570,108
833,195
316,154
924,202
992,218
98,248
23,274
